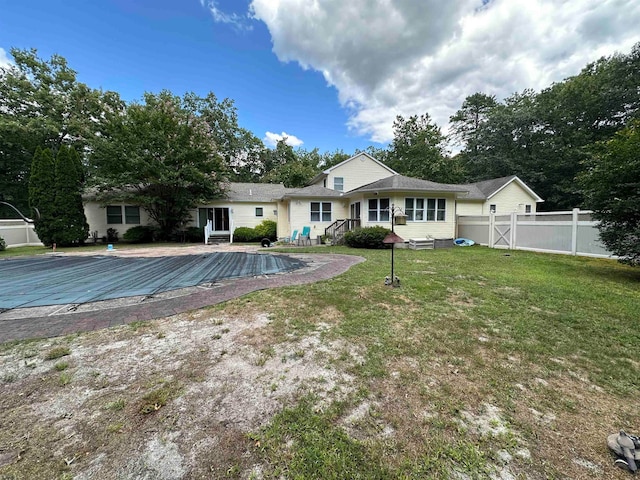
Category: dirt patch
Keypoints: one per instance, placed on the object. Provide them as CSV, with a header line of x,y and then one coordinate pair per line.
x,y
205,381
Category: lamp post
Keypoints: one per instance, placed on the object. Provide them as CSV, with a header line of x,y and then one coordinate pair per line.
x,y
392,239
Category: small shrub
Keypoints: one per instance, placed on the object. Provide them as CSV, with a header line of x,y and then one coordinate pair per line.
x,y
246,234
367,237
57,352
139,234
194,235
267,229
3,244
112,235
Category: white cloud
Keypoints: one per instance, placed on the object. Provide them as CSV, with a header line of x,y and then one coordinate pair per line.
x,y
239,22
406,57
271,139
5,61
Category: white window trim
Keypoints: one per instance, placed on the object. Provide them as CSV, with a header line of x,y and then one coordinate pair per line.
x,y
321,212
425,209
378,210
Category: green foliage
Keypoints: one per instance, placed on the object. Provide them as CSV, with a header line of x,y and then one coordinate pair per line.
x,y
246,234
42,104
42,194
194,235
545,137
70,223
139,234
612,189
55,191
366,237
161,155
418,150
267,229
112,235
3,244
284,165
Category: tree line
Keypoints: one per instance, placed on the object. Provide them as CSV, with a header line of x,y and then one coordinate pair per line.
x,y
168,153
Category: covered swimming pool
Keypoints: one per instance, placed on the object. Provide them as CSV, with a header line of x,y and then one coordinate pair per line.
x,y
60,280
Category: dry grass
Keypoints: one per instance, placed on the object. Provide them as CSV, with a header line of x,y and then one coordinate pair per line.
x,y
514,367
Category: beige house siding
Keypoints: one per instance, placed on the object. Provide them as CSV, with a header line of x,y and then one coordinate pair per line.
x,y
413,229
284,224
244,214
357,171
300,214
241,214
512,198
469,207
97,218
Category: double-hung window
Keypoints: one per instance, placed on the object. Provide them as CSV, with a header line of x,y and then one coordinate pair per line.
x,y
425,209
114,214
132,215
320,211
338,183
378,209
259,212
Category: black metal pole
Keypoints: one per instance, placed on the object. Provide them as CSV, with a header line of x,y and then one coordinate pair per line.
x,y
393,244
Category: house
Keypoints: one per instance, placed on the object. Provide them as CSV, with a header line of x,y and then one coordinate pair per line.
x,y
360,191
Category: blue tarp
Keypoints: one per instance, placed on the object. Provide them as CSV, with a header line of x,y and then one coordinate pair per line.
x,y
60,280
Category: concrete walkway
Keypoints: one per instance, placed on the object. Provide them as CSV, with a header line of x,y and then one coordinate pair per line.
x,y
37,323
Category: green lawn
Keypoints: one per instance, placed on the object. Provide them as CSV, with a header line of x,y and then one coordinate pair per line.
x,y
549,340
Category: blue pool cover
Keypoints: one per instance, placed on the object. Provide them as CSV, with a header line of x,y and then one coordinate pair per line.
x,y
60,280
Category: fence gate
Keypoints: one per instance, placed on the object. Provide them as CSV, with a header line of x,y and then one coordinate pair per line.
x,y
501,231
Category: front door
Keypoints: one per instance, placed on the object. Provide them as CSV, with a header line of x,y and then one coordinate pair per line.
x,y
355,211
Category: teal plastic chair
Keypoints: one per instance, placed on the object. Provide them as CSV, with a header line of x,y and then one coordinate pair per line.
x,y
294,237
305,236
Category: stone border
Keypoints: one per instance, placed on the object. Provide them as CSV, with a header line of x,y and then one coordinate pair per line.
x,y
62,322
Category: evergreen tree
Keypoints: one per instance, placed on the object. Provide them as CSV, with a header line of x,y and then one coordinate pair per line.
x,y
42,193
70,224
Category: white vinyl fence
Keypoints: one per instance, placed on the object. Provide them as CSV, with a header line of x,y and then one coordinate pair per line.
x,y
572,233
18,233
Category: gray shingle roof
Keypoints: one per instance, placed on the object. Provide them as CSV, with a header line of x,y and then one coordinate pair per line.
x,y
312,191
402,183
486,188
254,192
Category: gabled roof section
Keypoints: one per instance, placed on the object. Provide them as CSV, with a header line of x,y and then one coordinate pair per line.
x,y
326,172
399,182
254,192
316,191
488,188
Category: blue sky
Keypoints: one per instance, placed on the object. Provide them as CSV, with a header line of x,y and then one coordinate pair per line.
x,y
331,74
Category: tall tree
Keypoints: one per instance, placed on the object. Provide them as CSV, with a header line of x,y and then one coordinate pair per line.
x,y
42,194
161,155
466,123
70,223
294,169
41,104
419,150
612,189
